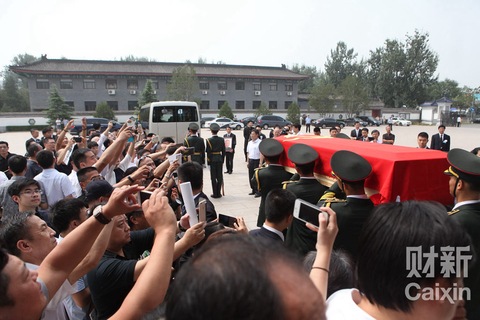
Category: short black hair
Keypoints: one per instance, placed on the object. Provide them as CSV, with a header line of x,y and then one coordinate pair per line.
x,y
357,122
365,129
307,168
475,151
5,298
274,159
142,152
278,126
130,170
256,131
167,139
151,134
79,156
441,126
45,159
14,229
96,125
17,164
94,134
249,121
32,148
4,142
15,188
82,173
214,131
33,130
333,128
390,229
279,205
46,139
192,172
297,125
375,130
65,211
423,135
46,129
316,129
92,144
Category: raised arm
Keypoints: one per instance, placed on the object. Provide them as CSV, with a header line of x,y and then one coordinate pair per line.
x,y
61,155
113,152
61,136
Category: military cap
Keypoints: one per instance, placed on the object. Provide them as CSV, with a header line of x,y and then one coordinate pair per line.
x,y
342,136
193,126
302,154
270,147
214,127
463,165
349,166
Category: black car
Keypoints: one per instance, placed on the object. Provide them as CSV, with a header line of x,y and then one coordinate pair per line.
x,y
351,122
476,120
328,122
77,129
247,119
371,121
271,121
203,120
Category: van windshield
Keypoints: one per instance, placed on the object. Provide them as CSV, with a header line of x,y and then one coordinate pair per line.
x,y
174,114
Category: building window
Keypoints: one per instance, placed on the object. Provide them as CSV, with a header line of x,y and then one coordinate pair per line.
x,y
257,87
88,84
256,104
70,103
272,105
222,86
220,103
204,85
90,105
132,105
113,104
287,104
132,84
66,84
239,104
43,84
273,87
110,84
155,84
289,87
205,104
240,85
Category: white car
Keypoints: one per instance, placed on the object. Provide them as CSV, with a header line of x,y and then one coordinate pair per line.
x,y
224,122
400,121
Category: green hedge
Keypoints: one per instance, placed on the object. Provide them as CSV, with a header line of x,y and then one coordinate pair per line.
x,y
25,128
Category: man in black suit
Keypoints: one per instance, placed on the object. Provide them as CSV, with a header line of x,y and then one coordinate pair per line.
x,y
279,215
246,134
34,138
440,140
230,152
356,132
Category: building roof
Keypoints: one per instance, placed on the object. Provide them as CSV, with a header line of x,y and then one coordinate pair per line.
x,y
99,67
445,99
429,104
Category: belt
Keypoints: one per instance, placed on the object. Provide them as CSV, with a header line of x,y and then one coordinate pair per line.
x,y
216,153
197,154
253,159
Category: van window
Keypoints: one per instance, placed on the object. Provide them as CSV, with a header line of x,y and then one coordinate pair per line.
x,y
187,114
163,114
144,115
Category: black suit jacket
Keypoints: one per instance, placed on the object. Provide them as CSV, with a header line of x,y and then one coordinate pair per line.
x,y
267,234
438,144
355,133
234,140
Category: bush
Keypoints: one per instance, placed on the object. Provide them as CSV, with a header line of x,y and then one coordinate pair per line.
x,y
103,110
225,111
25,128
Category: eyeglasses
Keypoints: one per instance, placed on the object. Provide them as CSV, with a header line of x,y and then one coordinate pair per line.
x,y
31,192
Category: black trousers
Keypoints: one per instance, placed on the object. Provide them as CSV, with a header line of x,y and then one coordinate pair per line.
x,y
245,149
216,175
307,128
252,165
229,160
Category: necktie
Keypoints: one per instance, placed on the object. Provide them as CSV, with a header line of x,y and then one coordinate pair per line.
x,y
442,137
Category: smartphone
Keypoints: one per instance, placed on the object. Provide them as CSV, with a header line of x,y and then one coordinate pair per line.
x,y
155,139
130,124
77,139
189,151
142,196
227,221
307,212
202,210
147,141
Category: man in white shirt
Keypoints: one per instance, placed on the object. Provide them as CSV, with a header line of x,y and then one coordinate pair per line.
x,y
308,121
296,129
253,156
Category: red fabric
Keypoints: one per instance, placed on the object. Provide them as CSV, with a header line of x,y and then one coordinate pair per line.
x,y
411,173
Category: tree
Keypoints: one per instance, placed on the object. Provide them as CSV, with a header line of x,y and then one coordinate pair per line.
x,y
352,95
138,59
58,107
225,111
103,110
307,84
263,110
14,100
293,113
184,84
148,95
341,64
19,60
447,88
322,98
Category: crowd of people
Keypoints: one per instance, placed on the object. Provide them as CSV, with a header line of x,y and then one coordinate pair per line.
x,y
97,227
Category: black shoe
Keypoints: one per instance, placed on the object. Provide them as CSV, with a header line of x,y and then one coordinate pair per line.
x,y
230,172
257,195
251,193
215,197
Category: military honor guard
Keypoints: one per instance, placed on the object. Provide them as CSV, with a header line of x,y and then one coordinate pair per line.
x,y
230,151
271,177
464,185
299,237
196,142
215,156
350,170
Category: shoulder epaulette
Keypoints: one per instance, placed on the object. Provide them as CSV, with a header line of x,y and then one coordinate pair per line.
x,y
450,213
328,195
328,202
285,183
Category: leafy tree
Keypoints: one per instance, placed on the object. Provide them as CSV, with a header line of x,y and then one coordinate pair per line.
x,y
134,58
263,110
352,95
148,95
293,112
307,84
225,111
14,100
18,60
447,87
184,84
341,63
322,98
58,107
103,110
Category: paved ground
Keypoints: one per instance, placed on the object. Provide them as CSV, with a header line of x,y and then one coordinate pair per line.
x,y
238,203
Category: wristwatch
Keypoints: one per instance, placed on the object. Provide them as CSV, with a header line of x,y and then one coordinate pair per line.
x,y
97,213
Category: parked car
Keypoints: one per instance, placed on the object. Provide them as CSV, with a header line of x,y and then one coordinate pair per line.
x,y
271,121
224,122
328,122
77,129
370,120
247,119
203,120
398,121
476,120
351,122
234,125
